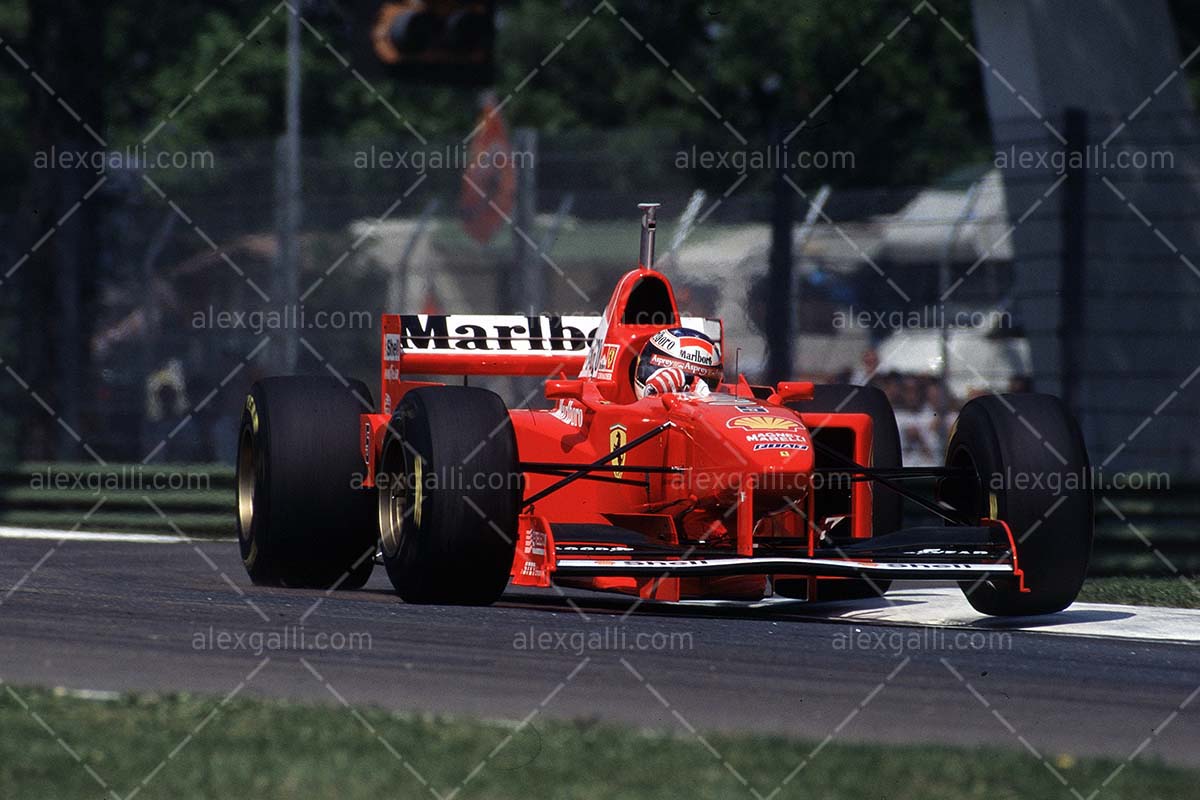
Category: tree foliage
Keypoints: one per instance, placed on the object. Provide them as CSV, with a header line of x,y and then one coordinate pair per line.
x,y
914,110
911,113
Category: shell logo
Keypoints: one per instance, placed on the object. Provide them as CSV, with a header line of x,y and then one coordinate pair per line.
x,y
759,422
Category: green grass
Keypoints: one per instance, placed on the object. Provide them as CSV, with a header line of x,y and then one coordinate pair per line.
x,y
271,749
220,499
215,525
198,498
26,469
1177,592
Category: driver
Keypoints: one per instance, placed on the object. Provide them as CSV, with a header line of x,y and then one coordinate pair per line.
x,y
678,360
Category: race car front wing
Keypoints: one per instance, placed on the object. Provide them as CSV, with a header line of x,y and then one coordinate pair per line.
x,y
911,570
923,553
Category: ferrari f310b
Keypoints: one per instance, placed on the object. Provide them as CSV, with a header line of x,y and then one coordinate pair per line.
x,y
668,484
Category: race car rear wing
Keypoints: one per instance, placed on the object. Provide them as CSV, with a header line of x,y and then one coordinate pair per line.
x,y
484,344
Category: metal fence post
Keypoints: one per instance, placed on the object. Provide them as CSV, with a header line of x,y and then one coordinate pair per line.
x,y
1074,244
288,297
530,277
779,274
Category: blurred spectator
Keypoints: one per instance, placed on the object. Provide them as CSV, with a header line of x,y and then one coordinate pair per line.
x,y
917,420
923,405
864,373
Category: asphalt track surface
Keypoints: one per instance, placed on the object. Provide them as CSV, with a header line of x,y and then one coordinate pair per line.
x,y
112,616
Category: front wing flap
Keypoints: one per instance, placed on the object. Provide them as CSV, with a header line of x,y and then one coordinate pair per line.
x,y
773,565
928,553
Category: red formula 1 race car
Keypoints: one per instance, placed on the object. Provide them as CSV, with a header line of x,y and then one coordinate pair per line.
x,y
629,484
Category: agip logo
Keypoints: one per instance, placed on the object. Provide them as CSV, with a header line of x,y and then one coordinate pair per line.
x,y
618,435
763,422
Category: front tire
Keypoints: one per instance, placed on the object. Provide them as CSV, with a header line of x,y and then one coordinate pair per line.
x,y
449,495
303,517
1030,470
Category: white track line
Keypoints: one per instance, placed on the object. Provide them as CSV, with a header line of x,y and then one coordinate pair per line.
x,y
946,607
98,536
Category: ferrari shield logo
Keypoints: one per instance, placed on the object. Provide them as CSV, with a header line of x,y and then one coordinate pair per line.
x,y
618,435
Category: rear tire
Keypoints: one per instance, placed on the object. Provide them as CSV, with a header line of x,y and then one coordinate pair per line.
x,y
303,517
887,506
449,495
1031,439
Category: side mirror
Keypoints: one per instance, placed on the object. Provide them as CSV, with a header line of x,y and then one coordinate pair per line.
x,y
588,393
791,391
564,389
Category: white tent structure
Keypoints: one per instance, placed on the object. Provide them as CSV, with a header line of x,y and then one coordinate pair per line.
x,y
978,361
974,219
969,224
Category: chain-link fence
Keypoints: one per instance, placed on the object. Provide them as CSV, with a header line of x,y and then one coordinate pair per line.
x,y
911,288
